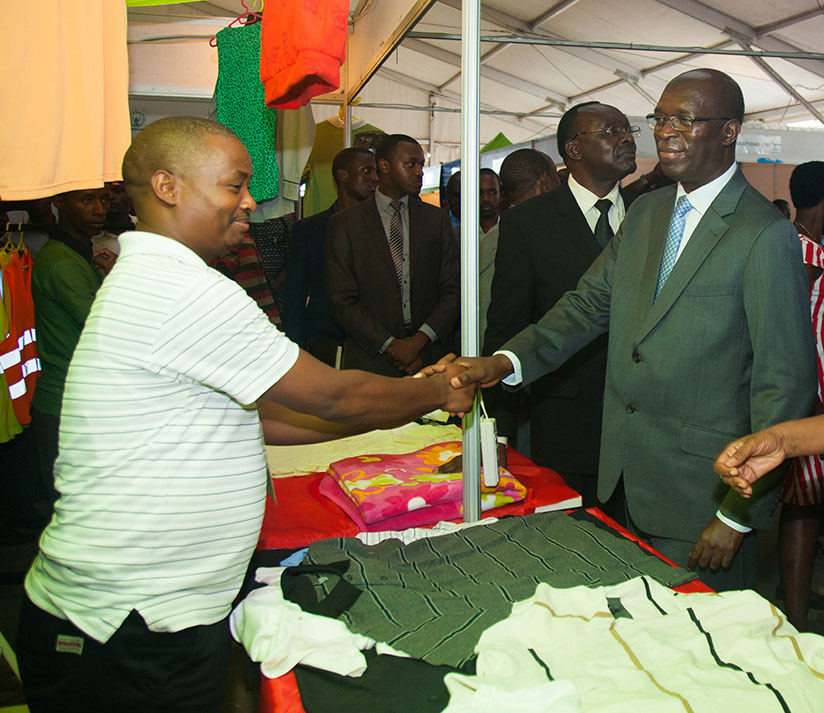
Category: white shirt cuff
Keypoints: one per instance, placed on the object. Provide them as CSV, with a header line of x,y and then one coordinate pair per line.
x,y
737,526
516,377
388,341
429,332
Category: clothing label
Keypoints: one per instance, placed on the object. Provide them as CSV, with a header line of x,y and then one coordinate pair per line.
x,y
69,644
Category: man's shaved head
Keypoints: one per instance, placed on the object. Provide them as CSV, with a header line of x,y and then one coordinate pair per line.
x,y
174,144
720,89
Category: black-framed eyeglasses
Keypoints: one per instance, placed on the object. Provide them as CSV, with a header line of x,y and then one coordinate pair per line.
x,y
681,123
611,131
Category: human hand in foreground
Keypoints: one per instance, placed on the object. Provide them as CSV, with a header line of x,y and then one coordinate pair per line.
x,y
716,546
402,352
414,367
455,465
104,260
486,371
744,461
439,367
456,400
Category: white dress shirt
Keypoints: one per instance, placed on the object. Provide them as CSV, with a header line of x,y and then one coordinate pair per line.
x,y
586,201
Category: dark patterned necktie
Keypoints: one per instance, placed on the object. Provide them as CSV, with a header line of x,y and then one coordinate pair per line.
x,y
603,230
396,239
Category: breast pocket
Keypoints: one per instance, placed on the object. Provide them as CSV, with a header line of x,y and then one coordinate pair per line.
x,y
704,442
710,290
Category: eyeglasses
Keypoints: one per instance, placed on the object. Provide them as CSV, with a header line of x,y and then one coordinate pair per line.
x,y
681,123
618,131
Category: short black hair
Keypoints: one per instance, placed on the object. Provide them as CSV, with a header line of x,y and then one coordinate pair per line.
x,y
522,168
490,172
174,144
343,159
565,126
807,184
386,147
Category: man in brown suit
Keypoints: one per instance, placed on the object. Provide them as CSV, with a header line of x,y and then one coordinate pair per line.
x,y
392,270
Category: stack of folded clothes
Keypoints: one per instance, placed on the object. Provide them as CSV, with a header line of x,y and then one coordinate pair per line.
x,y
381,492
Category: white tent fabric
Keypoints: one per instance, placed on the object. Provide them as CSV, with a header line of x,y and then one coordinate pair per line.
x,y
534,83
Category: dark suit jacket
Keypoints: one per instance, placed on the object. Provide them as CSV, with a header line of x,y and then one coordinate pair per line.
x,y
305,279
725,350
544,246
363,290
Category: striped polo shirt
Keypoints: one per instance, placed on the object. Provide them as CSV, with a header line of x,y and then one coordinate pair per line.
x,y
161,471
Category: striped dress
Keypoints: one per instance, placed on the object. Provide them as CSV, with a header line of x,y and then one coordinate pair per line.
x,y
805,481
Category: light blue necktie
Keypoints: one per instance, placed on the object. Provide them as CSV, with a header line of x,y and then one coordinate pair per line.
x,y
674,235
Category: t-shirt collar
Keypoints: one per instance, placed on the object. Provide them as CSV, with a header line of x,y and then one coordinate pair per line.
x,y
141,242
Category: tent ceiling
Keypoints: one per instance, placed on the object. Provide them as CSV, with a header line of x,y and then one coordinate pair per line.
x,y
536,81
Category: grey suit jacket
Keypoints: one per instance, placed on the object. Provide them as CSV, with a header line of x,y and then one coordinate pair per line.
x,y
726,349
363,291
545,245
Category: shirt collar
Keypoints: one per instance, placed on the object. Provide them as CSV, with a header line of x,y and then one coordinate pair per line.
x,y
139,242
702,197
586,199
82,249
383,201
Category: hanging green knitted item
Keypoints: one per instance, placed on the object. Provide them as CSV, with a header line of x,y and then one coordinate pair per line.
x,y
241,106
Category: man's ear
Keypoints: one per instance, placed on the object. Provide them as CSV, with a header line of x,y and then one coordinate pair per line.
x,y
731,131
572,149
341,176
165,187
382,166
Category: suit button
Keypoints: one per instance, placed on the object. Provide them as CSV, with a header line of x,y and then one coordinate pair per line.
x,y
630,408
636,357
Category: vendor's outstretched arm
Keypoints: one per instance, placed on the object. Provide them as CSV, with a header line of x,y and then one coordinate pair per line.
x,y
284,427
357,397
745,460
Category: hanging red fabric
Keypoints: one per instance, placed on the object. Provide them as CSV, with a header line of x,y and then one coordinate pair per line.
x,y
19,358
302,47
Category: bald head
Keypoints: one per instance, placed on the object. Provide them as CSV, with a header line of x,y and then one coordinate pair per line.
x,y
174,144
719,90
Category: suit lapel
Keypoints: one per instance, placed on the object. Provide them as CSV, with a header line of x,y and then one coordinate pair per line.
x,y
658,226
373,230
415,226
701,243
580,237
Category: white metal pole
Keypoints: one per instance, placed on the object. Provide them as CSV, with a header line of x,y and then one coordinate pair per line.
x,y
470,164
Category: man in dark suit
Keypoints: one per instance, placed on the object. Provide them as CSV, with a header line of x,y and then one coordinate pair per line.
x,y
392,270
546,243
706,301
306,318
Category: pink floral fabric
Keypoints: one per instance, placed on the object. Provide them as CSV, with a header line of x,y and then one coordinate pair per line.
x,y
388,486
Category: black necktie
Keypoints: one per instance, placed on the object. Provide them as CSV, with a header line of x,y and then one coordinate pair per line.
x,y
603,230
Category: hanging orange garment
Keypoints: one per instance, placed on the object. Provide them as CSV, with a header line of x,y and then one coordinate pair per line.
x,y
65,88
19,359
303,45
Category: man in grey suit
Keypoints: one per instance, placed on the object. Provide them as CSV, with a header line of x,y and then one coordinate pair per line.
x,y
705,299
392,270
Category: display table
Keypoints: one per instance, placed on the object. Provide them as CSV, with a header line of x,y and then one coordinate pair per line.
x,y
302,515
281,695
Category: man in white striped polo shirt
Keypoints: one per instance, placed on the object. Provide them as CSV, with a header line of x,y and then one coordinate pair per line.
x,y
161,470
